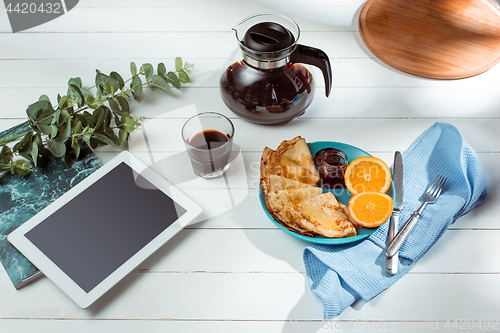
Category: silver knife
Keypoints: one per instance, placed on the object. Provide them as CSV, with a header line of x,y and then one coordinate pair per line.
x,y
391,264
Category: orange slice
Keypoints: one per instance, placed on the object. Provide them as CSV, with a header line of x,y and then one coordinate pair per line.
x,y
370,209
367,174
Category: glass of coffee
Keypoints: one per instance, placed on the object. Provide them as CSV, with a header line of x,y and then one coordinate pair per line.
x,y
208,137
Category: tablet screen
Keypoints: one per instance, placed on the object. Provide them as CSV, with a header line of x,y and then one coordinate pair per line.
x,y
105,225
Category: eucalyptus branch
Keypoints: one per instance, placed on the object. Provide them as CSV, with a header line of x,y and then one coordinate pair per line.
x,y
100,118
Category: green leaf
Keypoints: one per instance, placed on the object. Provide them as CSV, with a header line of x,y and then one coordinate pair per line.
x,y
55,119
37,139
54,130
25,151
117,120
99,93
34,153
20,167
65,116
86,92
68,160
74,90
128,123
23,143
93,143
174,79
108,115
100,81
87,116
116,140
136,85
162,70
148,70
122,134
75,144
39,110
6,154
45,129
81,118
86,133
64,131
40,115
160,83
63,102
118,79
178,63
110,89
90,100
119,105
186,67
103,138
95,116
133,68
44,98
78,127
183,76
97,121
57,148
106,83
76,81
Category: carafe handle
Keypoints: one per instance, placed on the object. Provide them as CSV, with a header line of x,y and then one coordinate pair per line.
x,y
312,56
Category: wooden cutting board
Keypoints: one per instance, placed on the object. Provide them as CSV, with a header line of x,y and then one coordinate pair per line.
x,y
439,39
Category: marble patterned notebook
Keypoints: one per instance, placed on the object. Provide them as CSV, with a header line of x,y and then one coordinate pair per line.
x,y
21,197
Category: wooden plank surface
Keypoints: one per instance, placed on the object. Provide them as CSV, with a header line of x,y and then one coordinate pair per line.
x,y
242,296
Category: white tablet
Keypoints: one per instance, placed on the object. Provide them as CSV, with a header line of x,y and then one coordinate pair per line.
x,y
99,231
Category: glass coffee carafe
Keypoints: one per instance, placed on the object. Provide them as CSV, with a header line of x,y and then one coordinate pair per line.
x,y
264,80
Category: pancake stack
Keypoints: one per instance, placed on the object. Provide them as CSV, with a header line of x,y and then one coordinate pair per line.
x,y
288,179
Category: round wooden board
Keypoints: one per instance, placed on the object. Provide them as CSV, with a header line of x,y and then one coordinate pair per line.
x,y
438,39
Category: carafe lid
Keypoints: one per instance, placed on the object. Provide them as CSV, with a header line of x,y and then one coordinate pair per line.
x,y
268,37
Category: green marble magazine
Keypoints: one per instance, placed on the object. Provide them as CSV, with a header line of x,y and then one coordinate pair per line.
x,y
21,197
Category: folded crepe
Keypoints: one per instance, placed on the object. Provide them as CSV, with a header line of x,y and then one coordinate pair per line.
x,y
322,215
298,151
273,163
346,212
280,202
278,183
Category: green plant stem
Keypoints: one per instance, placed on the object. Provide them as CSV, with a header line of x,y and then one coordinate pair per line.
x,y
60,130
14,138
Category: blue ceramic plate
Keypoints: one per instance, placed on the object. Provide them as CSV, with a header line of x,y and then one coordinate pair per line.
x,y
342,195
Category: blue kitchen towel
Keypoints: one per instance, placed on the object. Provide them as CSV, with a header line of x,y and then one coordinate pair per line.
x,y
339,275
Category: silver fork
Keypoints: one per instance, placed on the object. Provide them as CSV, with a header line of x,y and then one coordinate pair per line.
x,y
430,196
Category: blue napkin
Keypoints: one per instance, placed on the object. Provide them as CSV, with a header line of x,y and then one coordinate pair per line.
x,y
339,275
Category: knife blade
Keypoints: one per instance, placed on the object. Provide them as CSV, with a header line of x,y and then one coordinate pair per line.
x,y
391,264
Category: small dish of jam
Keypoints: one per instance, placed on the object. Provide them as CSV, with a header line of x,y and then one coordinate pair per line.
x,y
331,164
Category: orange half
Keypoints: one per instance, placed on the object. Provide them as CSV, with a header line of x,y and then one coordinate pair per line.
x,y
367,174
370,209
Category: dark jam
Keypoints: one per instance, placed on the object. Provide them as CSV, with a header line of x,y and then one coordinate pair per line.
x,y
331,164
267,96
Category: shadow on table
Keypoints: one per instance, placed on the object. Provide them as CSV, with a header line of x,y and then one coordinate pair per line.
x,y
285,248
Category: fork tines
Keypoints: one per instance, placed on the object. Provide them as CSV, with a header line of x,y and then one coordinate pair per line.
x,y
437,186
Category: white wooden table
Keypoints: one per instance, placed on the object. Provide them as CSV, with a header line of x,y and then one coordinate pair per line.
x,y
235,271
